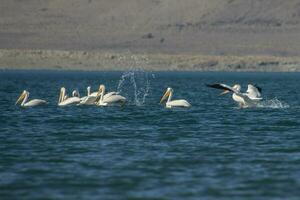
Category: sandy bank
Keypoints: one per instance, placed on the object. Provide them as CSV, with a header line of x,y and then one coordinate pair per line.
x,y
107,61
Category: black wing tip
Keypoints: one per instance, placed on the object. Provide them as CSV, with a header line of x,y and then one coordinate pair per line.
x,y
212,85
216,86
258,88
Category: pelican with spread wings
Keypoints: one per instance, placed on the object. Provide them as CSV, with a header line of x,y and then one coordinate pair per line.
x,y
248,99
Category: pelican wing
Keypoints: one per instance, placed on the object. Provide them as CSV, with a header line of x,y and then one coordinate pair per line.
x,y
223,87
68,101
253,92
114,99
35,102
94,94
258,88
89,100
109,94
179,103
83,98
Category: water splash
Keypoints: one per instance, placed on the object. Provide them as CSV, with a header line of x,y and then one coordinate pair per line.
x,y
135,83
135,86
273,103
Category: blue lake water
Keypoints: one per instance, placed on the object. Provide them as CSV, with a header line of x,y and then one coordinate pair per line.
x,y
213,150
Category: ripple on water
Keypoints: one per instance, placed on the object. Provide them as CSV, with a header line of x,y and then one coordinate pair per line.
x,y
212,150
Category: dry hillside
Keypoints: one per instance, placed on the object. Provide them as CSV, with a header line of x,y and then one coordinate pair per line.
x,y
216,27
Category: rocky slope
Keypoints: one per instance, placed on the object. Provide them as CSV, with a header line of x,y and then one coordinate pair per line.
x,y
209,27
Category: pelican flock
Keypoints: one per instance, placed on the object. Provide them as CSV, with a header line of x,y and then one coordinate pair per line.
x,y
248,99
173,103
24,98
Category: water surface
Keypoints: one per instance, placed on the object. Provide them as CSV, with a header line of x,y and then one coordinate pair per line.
x,y
213,150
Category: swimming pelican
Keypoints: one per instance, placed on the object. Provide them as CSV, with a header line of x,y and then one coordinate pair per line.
x,y
90,99
248,99
34,102
109,98
64,100
175,103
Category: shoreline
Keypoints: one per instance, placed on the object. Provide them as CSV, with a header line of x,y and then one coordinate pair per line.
x,y
58,60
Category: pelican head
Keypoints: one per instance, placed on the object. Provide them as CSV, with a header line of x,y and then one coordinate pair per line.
x,y
101,90
75,93
88,90
166,95
22,96
237,87
62,94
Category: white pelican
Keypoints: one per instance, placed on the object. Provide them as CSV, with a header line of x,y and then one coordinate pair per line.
x,y
174,103
64,100
109,98
34,102
90,99
248,99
